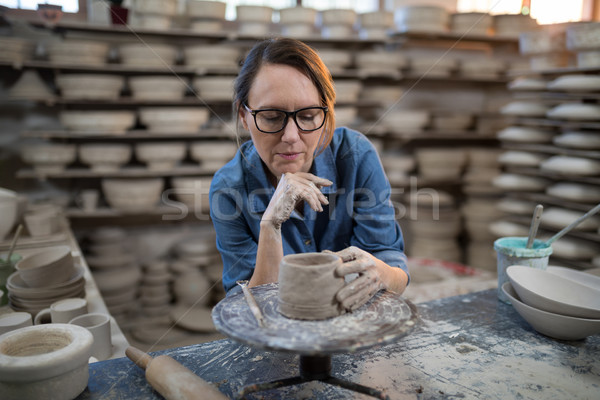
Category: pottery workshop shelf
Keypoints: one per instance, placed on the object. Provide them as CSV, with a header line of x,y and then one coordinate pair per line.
x,y
563,124
126,172
549,149
107,212
556,96
552,200
139,134
110,68
556,71
454,37
592,180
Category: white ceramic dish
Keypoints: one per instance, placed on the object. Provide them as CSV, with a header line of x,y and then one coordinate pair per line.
x,y
527,84
571,165
132,195
338,16
525,135
173,119
581,277
297,15
517,182
558,218
552,293
160,155
574,249
250,13
158,87
578,140
376,19
576,83
550,324
103,157
148,54
524,109
206,9
575,111
521,158
575,192
110,122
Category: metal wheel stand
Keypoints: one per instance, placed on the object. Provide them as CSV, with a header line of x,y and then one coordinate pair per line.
x,y
313,368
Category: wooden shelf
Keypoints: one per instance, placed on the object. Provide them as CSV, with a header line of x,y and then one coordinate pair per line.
x,y
125,172
555,71
556,96
450,36
550,149
107,212
133,134
591,180
116,68
553,123
551,200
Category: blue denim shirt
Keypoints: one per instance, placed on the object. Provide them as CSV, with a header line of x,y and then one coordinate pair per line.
x,y
360,212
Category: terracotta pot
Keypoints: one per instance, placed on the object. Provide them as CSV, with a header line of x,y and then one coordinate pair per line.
x,y
307,286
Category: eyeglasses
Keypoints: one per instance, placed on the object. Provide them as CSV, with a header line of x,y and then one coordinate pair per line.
x,y
272,120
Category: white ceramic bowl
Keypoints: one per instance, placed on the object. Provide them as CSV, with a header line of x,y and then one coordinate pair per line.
x,y
193,192
214,88
525,135
78,52
575,83
156,7
47,267
148,54
110,122
527,84
212,151
8,211
471,23
520,158
571,165
516,182
578,140
104,157
552,293
338,16
558,218
45,361
347,91
557,326
249,13
157,87
160,155
90,86
575,192
376,19
581,277
206,9
133,194
575,111
49,157
297,15
211,56
380,59
336,60
525,109
173,119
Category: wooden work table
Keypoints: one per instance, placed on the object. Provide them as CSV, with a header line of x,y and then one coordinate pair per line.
x,y
469,347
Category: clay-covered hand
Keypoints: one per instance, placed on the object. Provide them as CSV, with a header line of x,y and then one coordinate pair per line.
x,y
359,290
291,189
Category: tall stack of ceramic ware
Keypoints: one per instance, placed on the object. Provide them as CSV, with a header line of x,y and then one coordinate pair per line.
x,y
552,148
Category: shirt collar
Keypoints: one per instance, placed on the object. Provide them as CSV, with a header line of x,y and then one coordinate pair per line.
x,y
258,186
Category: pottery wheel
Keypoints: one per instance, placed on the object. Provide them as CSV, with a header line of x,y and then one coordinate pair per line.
x,y
383,319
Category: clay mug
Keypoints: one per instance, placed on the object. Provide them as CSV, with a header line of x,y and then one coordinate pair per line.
x,y
62,311
308,285
99,325
14,320
87,200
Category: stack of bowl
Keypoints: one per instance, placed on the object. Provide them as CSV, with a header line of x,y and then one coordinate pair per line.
x,y
421,19
90,86
375,24
158,87
8,211
133,195
148,55
201,252
49,157
471,23
153,14
512,25
347,91
545,47
217,56
114,268
440,164
558,302
214,88
98,122
155,294
380,63
161,156
397,166
78,52
44,277
16,50
174,119
212,155
193,191
105,157
336,60
254,20
338,23
582,38
297,21
206,16
30,86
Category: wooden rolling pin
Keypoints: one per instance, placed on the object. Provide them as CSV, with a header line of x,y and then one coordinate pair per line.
x,y
171,379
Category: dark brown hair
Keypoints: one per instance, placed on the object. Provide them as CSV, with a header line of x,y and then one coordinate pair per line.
x,y
296,54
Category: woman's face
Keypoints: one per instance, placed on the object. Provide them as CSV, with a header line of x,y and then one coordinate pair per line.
x,y
285,88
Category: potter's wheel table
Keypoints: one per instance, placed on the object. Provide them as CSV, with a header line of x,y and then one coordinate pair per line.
x,y
384,319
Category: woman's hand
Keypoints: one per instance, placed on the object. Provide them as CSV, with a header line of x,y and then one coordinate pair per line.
x,y
291,189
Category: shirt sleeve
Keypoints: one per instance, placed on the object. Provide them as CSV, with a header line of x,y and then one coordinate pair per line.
x,y
375,227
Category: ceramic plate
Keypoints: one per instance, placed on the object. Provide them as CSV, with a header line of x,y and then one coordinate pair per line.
x,y
525,109
578,140
574,249
559,218
575,192
554,325
575,111
521,158
525,135
520,182
571,165
581,277
552,293
576,83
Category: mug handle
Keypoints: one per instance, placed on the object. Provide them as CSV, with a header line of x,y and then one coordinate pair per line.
x,y
43,317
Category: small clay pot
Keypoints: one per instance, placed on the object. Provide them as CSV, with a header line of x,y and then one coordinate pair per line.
x,y
308,285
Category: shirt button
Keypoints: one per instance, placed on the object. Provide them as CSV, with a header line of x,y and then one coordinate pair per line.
x,y
307,242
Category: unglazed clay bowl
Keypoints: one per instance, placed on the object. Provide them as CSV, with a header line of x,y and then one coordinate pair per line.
x,y
308,285
206,9
104,157
581,277
553,293
157,87
554,325
44,362
133,195
90,86
47,267
215,55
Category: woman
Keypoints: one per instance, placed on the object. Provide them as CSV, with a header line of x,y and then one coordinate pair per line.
x,y
300,185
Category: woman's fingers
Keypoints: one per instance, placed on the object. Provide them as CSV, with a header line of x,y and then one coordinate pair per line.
x,y
363,289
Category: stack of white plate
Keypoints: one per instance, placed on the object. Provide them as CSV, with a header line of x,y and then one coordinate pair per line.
x,y
577,192
479,214
515,158
434,226
440,164
90,86
426,19
153,14
338,23
16,50
160,156
133,195
254,20
297,21
155,294
568,165
200,251
403,122
575,111
527,84
520,183
105,157
98,122
512,25
380,63
482,167
521,134
575,83
583,140
78,52
115,270
206,16
583,39
522,108
193,192
471,23
158,87
173,119
212,56
557,218
558,302
375,24
148,55
397,166
49,157
432,65
30,86
214,88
